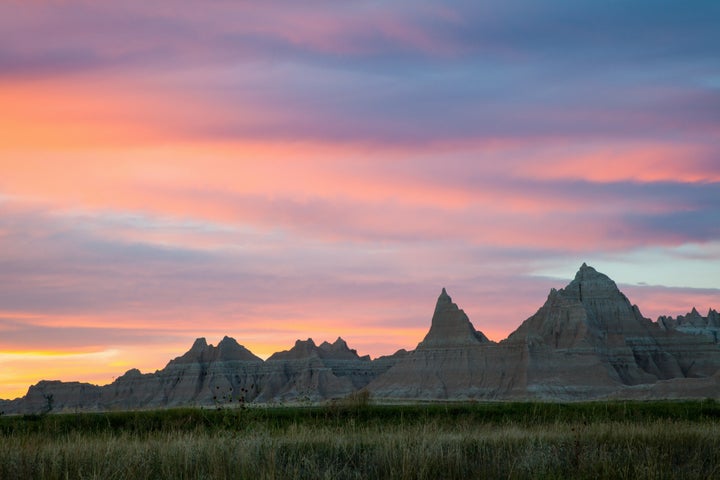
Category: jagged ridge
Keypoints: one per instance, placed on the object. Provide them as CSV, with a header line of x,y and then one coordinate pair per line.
x,y
587,341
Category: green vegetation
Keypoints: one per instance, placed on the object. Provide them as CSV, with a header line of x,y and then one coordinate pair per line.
x,y
354,439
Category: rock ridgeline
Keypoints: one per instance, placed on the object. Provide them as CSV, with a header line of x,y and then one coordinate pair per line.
x,y
586,342
694,323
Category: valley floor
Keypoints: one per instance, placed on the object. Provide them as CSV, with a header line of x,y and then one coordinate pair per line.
x,y
358,440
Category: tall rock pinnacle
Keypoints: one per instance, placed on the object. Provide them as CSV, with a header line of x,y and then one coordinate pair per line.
x,y
590,310
450,326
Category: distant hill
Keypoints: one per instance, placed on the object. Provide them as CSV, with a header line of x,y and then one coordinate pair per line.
x,y
586,342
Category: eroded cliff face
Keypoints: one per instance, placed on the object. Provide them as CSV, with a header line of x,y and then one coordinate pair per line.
x,y
209,375
450,327
218,376
589,340
309,372
694,323
586,342
454,361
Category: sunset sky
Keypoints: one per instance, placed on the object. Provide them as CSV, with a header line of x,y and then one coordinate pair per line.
x,y
281,170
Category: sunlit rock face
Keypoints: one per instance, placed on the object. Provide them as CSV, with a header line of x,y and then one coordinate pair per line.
x,y
587,341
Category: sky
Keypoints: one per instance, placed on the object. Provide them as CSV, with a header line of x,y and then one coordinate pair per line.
x,y
274,171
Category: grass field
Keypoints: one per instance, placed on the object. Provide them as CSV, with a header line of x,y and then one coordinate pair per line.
x,y
651,440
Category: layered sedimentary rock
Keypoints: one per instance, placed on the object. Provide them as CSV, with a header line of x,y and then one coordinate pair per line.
x,y
312,372
450,327
454,360
48,396
694,323
589,341
672,389
218,376
586,342
302,373
205,375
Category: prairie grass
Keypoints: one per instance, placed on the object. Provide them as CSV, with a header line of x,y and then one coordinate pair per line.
x,y
600,440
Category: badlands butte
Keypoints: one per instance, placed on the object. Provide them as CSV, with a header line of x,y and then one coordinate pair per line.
x,y
587,342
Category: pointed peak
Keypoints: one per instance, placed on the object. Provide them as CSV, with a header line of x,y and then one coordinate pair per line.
x,y
443,300
585,271
450,326
340,342
444,295
587,278
196,353
227,341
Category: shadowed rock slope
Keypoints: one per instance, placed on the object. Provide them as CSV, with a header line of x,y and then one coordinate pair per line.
x,y
586,342
221,376
589,341
694,323
454,361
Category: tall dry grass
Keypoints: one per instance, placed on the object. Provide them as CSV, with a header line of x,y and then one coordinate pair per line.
x,y
335,444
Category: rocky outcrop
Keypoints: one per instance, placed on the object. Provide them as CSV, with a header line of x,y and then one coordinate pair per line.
x,y
454,361
302,373
208,375
54,396
314,373
218,376
587,341
450,327
694,323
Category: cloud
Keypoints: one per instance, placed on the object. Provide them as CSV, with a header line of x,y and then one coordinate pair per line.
x,y
655,301
278,171
390,75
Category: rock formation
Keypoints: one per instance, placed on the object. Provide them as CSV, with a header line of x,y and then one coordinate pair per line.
x,y
454,361
47,396
219,377
586,342
694,323
450,327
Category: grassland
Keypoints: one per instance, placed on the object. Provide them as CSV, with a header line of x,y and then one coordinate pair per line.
x,y
654,440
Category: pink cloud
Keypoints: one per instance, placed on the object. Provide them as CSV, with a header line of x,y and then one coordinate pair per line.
x,y
278,171
655,301
630,161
